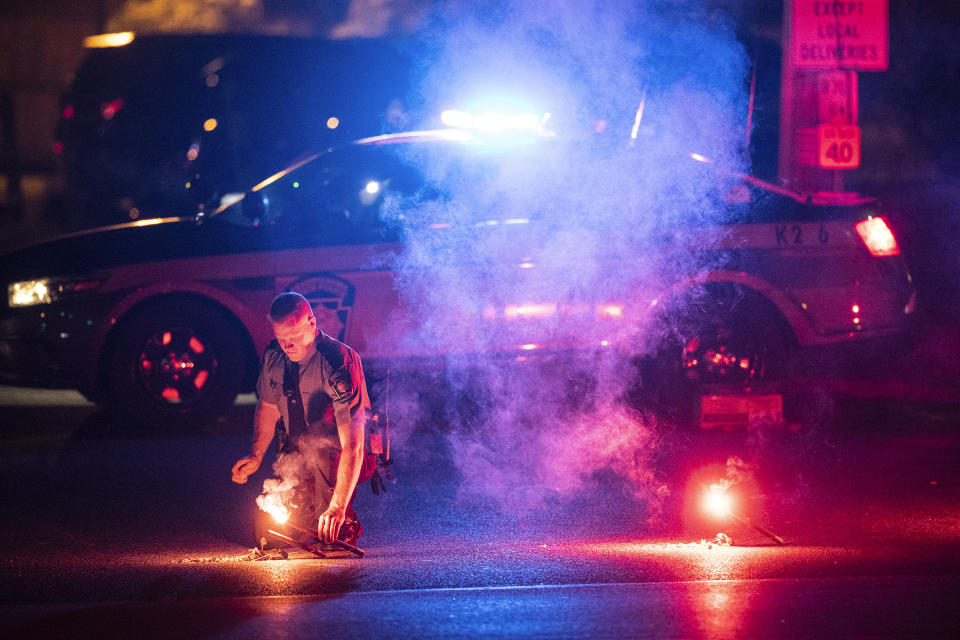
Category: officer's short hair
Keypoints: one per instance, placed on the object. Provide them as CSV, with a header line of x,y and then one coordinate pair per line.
x,y
287,305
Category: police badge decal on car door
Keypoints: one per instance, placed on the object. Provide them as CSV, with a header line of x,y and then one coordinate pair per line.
x,y
332,302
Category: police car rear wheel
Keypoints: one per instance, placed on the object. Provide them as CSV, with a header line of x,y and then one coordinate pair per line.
x,y
175,363
717,335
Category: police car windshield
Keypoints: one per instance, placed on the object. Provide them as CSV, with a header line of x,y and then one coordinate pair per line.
x,y
383,184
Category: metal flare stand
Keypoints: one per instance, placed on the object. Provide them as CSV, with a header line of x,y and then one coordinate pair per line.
x,y
309,548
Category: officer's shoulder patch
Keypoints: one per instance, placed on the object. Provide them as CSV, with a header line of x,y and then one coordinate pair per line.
x,y
341,383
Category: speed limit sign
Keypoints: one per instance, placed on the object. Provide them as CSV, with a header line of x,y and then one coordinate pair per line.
x,y
838,146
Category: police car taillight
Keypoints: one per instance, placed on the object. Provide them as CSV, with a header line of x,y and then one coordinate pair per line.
x,y
878,237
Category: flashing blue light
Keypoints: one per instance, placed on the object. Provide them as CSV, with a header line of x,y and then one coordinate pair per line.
x,y
491,121
456,118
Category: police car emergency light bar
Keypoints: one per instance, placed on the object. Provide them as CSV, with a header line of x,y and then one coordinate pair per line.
x,y
494,121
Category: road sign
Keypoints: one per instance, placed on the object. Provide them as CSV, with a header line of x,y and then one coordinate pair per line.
x,y
838,146
837,97
839,34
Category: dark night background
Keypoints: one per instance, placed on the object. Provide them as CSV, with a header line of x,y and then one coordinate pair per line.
x,y
908,114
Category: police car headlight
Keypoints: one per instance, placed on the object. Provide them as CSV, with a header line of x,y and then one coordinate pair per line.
x,y
29,293
46,290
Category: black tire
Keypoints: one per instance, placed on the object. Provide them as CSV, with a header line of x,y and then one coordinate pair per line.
x,y
715,335
174,363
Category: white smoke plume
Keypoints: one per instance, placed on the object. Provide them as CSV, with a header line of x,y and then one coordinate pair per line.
x,y
292,490
738,472
527,430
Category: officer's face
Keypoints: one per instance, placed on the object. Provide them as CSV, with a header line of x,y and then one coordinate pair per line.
x,y
296,336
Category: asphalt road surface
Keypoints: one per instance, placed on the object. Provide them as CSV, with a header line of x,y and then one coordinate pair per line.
x,y
109,531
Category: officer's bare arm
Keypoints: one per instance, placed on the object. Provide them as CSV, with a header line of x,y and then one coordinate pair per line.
x,y
351,441
264,425
351,460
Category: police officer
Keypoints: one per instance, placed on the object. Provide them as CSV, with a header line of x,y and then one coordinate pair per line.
x,y
316,384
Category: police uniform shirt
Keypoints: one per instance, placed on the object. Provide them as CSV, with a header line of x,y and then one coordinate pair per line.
x,y
331,384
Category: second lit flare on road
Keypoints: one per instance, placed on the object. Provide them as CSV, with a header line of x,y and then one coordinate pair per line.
x,y
717,501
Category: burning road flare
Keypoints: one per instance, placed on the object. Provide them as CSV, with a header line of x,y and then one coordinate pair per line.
x,y
717,501
720,504
272,503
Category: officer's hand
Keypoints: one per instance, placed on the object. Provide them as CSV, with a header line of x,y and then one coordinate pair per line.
x,y
244,468
329,525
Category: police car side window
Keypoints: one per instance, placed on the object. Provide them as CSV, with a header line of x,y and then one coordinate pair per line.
x,y
306,203
335,198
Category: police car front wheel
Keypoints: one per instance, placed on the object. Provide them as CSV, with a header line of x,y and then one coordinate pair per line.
x,y
174,363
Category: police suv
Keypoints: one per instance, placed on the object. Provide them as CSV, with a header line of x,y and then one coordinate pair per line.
x,y
448,242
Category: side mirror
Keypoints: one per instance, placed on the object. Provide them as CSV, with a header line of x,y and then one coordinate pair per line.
x,y
255,206
251,206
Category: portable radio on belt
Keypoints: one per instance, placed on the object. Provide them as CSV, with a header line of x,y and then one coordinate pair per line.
x,y
379,438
